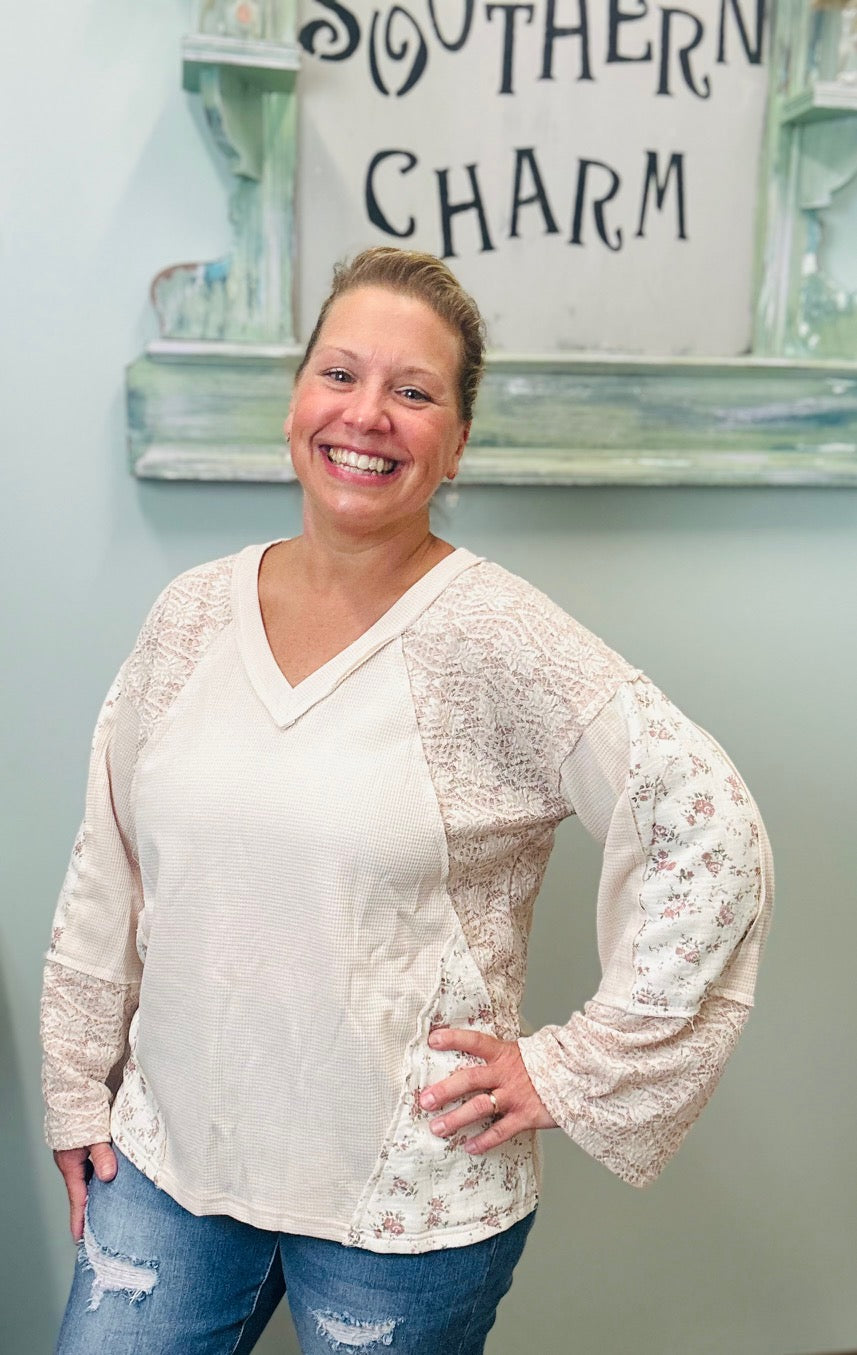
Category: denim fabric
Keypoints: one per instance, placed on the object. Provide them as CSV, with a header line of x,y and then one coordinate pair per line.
x,y
153,1279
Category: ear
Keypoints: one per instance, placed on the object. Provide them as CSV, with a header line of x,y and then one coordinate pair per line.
x,y
287,425
459,450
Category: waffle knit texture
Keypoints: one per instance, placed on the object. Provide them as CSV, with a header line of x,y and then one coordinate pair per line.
x,y
277,891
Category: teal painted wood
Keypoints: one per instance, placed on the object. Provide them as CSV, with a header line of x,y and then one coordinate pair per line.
x,y
807,301
217,415
243,63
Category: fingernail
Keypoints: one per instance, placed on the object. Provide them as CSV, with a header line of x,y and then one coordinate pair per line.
x,y
427,1101
435,1039
438,1127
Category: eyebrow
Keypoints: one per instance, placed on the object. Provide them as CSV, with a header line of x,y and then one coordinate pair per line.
x,y
355,357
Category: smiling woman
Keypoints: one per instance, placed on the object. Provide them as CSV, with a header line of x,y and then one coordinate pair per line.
x,y
321,802
376,405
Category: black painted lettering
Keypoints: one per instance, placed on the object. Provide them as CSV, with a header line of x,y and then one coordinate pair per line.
x,y
453,45
526,156
752,50
347,38
508,12
554,31
373,210
450,209
598,205
702,91
415,52
660,185
617,16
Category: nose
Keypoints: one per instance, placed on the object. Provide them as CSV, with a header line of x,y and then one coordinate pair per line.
x,y
366,410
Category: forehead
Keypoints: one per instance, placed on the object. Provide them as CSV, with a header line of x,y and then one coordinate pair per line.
x,y
392,326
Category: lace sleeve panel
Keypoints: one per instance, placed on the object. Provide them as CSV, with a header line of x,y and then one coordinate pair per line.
x,y
627,1088
84,1027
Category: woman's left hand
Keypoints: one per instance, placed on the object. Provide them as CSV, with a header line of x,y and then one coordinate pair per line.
x,y
502,1072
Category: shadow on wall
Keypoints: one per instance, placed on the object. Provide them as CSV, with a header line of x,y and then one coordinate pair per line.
x,y
27,1327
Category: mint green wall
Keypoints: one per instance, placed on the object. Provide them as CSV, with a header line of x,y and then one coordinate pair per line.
x,y
739,603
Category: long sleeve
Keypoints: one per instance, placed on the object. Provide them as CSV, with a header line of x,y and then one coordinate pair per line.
x,y
93,969
84,1023
683,909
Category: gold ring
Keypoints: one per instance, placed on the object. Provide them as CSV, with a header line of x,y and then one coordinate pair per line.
x,y
492,1098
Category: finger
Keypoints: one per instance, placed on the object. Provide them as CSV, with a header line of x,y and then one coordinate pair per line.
x,y
479,1107
76,1187
499,1132
103,1161
463,1082
468,1041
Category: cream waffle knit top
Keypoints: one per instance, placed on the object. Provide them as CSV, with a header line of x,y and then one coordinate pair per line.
x,y
277,891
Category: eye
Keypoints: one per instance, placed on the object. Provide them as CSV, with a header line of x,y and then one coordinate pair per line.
x,y
338,374
415,394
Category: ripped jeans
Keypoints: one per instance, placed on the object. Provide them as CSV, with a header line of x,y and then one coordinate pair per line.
x,y
154,1279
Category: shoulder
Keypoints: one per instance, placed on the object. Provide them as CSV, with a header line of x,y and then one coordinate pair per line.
x,y
185,618
492,622
489,605
204,589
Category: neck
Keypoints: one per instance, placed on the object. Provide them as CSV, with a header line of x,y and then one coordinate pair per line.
x,y
333,560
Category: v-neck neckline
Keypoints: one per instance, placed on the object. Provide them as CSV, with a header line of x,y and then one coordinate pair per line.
x,y
285,702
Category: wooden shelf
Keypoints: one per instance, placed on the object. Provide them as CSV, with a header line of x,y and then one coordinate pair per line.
x,y
266,62
820,101
215,412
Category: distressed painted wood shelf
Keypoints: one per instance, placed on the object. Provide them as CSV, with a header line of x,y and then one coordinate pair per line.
x,y
825,99
215,412
268,61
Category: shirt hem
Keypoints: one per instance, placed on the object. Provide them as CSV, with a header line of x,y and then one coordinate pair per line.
x,y
328,1229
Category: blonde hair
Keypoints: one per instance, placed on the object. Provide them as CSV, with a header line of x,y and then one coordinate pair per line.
x,y
409,273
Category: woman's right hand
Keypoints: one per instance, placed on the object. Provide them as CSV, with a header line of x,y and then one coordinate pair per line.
x,y
72,1163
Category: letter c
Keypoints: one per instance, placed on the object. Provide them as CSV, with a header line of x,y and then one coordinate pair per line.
x,y
376,216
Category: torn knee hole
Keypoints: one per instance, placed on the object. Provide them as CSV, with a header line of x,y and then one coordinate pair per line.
x,y
346,1333
115,1274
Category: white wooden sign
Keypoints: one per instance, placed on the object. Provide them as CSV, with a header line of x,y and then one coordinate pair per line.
x,y
589,167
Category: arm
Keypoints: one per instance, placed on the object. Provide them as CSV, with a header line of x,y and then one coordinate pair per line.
x,y
92,974
683,908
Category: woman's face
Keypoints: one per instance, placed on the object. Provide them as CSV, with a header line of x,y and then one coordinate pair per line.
x,y
374,422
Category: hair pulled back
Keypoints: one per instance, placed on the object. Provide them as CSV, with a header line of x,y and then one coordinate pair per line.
x,y
409,273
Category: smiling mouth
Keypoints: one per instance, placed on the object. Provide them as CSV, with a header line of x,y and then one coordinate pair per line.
x,y
360,461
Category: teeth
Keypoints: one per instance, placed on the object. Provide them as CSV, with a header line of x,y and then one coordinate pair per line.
x,y
340,456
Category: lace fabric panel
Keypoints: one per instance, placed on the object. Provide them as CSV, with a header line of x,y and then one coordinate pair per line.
x,y
627,1088
84,1027
503,683
182,623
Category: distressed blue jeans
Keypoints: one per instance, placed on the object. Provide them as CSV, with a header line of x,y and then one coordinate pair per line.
x,y
154,1279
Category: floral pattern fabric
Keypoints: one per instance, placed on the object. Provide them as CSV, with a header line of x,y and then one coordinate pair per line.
x,y
426,1192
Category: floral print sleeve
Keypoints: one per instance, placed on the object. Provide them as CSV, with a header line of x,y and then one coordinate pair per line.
x,y
683,909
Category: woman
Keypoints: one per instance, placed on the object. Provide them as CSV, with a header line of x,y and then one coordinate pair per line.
x,y
322,797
